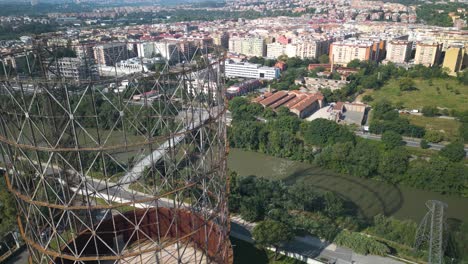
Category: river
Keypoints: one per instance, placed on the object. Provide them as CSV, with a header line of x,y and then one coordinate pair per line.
x,y
370,196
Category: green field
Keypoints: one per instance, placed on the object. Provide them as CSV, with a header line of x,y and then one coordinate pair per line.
x,y
448,126
443,93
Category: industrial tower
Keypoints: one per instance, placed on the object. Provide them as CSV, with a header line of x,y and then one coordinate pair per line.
x,y
114,163
431,231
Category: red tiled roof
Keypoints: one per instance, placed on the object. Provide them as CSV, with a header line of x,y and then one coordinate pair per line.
x,y
338,106
272,99
294,101
282,101
305,103
262,97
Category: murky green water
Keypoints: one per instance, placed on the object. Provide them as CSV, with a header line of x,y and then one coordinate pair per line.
x,y
371,197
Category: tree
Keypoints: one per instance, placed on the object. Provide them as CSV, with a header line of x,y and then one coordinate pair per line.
x,y
406,84
463,131
462,77
324,59
252,209
367,98
334,205
434,136
272,233
454,152
391,139
354,63
322,132
384,110
394,162
430,111
7,209
424,144
269,63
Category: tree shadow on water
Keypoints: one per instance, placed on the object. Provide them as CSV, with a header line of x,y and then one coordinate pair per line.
x,y
245,252
369,197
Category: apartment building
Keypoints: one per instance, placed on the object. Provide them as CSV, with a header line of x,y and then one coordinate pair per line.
x,y
167,50
145,49
250,46
453,59
303,49
399,51
427,54
110,53
76,69
221,39
342,52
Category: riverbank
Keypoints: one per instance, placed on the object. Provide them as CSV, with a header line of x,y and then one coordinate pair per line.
x,y
370,196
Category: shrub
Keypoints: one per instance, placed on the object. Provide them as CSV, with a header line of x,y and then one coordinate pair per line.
x,y
361,244
430,111
434,136
424,144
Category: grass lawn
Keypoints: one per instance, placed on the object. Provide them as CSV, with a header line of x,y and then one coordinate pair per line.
x,y
448,126
247,253
444,93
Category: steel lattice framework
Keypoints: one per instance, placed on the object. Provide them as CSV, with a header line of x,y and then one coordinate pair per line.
x,y
431,231
118,168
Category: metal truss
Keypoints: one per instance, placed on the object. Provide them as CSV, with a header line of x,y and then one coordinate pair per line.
x,y
117,168
431,231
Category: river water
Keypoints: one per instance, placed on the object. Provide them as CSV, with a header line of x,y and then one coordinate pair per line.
x,y
371,197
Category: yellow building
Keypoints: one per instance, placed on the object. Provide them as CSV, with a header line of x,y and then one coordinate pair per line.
x,y
427,54
454,59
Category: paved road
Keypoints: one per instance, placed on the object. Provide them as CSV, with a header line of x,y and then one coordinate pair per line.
x,y
312,247
20,257
409,141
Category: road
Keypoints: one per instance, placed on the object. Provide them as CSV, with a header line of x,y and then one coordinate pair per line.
x,y
311,247
408,141
20,257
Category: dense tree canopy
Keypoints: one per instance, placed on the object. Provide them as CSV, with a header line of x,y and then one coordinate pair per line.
x,y
335,147
321,132
7,209
391,139
271,233
454,152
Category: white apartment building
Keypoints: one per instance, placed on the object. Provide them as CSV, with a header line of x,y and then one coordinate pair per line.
x,y
167,49
203,84
250,70
274,50
398,51
250,46
145,49
304,49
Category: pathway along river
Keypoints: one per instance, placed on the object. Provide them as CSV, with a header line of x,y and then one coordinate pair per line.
x,y
372,197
